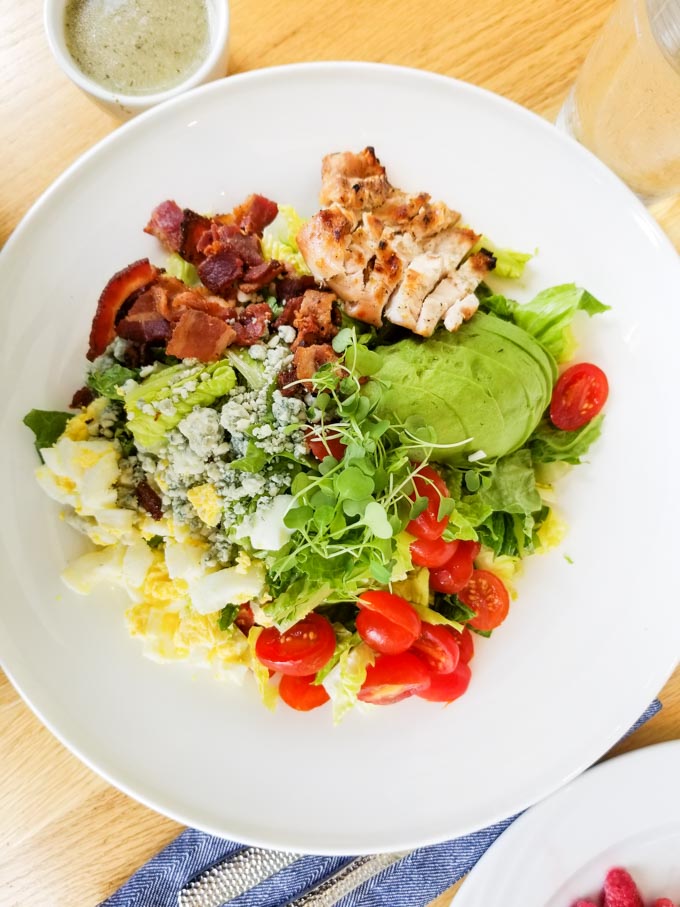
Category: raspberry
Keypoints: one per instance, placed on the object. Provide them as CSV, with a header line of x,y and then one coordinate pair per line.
x,y
620,890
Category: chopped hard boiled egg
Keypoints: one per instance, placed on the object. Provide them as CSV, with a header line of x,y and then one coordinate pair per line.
x,y
231,586
266,529
207,503
80,473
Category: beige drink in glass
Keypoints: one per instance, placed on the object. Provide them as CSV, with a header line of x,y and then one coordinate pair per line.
x,y
625,104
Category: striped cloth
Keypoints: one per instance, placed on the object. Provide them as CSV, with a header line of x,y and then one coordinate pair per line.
x,y
413,881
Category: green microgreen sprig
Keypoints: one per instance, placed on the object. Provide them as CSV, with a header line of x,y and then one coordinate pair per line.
x,y
348,512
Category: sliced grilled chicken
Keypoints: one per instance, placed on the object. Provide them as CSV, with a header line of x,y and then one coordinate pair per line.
x,y
382,250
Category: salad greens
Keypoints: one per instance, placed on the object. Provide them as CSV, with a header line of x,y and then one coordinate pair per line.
x,y
46,425
222,457
548,316
160,401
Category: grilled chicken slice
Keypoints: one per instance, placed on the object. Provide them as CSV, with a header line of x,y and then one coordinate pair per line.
x,y
385,251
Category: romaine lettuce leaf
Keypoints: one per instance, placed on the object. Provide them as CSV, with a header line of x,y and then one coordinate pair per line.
x,y
508,262
345,680
549,444
268,692
176,266
47,426
548,316
107,381
184,388
279,239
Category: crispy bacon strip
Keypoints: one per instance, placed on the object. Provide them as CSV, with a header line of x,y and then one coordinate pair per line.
x,y
144,323
165,224
260,275
307,361
220,271
192,230
114,295
252,324
292,285
314,319
200,336
256,213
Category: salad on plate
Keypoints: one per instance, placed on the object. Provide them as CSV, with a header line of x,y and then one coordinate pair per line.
x,y
317,451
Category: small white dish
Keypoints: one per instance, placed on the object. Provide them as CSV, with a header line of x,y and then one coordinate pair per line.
x,y
587,645
625,812
214,64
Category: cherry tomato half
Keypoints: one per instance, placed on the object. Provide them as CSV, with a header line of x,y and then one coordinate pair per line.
x,y
438,648
383,634
486,594
395,608
301,694
303,649
393,678
447,687
456,572
429,484
579,395
326,444
465,644
432,552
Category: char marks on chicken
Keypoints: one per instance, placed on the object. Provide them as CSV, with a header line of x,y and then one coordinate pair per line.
x,y
390,254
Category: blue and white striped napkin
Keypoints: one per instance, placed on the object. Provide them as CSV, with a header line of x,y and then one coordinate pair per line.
x,y
413,881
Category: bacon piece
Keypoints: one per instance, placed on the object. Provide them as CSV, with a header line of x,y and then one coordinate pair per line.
x,y
256,213
144,322
145,327
289,312
200,336
114,295
227,236
252,324
165,224
289,286
260,275
82,397
313,319
211,305
149,499
219,272
307,361
191,232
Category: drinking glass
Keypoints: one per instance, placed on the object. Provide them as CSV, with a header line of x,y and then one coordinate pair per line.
x,y
625,103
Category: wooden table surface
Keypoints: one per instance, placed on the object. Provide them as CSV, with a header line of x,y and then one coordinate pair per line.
x,y
66,837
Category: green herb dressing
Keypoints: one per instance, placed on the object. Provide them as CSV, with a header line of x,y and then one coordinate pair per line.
x,y
137,47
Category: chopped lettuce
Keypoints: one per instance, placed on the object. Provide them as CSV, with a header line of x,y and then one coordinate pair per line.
x,y
279,239
107,381
184,388
47,426
251,370
268,692
549,444
176,266
346,679
548,316
512,488
508,262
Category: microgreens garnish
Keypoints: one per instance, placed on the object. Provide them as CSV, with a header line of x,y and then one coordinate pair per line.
x,y
348,512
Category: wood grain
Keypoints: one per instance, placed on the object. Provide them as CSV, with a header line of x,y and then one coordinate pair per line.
x,y
66,837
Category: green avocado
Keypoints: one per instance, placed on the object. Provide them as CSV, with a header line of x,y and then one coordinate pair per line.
x,y
489,381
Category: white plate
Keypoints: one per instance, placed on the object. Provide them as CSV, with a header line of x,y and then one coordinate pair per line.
x,y
625,812
586,647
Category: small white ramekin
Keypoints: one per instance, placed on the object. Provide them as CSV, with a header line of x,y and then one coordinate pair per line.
x,y
213,66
